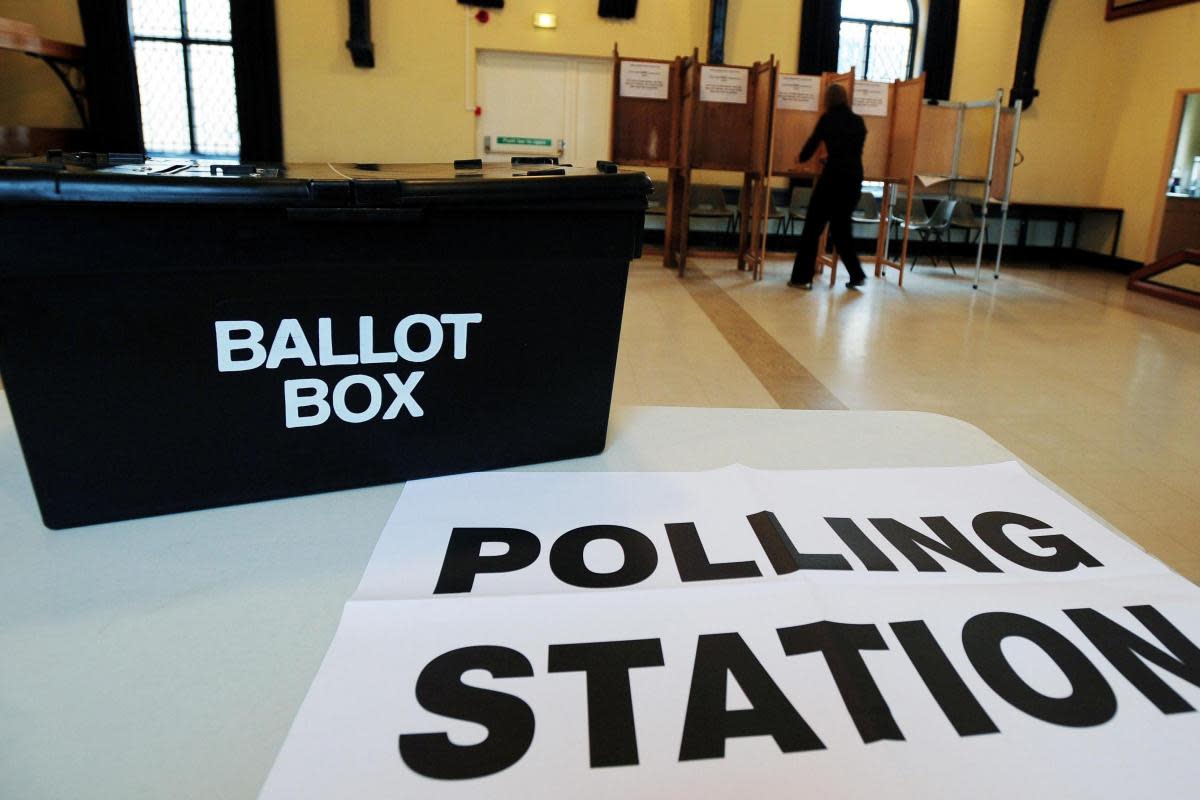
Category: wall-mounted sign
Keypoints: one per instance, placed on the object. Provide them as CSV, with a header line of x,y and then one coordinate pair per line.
x,y
693,634
871,98
645,79
521,145
524,141
799,92
724,84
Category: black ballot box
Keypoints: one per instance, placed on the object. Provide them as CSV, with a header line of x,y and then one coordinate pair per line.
x,y
177,335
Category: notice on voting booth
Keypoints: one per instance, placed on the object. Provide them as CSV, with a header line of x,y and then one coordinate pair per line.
x,y
871,98
798,92
887,633
644,79
724,84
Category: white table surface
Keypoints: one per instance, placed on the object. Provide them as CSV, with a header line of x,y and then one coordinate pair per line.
x,y
166,657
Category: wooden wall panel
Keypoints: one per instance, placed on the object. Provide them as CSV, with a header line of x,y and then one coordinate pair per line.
x,y
643,129
762,97
722,137
877,146
908,100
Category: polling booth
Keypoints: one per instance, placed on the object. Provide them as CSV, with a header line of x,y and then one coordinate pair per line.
x,y
967,152
195,335
686,115
895,165
645,111
798,103
891,113
755,197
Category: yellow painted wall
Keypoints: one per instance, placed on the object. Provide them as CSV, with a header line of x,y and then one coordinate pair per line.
x,y
1098,133
30,94
415,104
754,29
1150,57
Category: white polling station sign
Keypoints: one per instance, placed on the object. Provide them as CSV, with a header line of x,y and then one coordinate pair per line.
x,y
648,79
871,98
880,633
724,84
799,92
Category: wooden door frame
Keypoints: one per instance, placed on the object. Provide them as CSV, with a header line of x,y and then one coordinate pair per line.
x,y
1160,201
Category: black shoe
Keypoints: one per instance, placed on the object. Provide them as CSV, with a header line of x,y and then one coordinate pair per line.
x,y
854,284
805,286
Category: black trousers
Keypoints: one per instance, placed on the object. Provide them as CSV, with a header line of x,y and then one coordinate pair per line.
x,y
832,203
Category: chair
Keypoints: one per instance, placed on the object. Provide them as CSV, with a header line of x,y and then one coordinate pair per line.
x,y
867,210
964,219
775,212
936,226
709,201
656,203
896,215
797,207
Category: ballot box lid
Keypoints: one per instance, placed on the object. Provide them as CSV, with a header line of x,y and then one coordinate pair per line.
x,y
113,178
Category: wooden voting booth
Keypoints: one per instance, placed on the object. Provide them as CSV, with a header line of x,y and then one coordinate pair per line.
x,y
725,125
645,111
685,115
647,130
896,167
798,103
969,150
891,113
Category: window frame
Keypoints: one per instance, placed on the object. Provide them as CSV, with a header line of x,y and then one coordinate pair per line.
x,y
871,23
185,41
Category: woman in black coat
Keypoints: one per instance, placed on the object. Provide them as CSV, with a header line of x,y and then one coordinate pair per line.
x,y
836,194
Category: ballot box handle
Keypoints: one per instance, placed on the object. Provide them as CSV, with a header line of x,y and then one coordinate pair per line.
x,y
355,215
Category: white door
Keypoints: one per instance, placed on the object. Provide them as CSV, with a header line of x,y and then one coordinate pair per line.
x,y
593,111
542,105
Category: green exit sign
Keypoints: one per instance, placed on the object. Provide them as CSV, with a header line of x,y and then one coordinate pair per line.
x,y
523,141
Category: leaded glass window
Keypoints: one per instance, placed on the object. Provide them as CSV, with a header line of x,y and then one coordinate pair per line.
x,y
877,39
184,55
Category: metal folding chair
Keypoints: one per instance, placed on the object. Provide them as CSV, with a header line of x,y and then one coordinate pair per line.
x,y
797,207
965,220
936,227
709,201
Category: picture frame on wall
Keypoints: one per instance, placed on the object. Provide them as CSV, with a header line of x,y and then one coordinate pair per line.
x,y
1117,9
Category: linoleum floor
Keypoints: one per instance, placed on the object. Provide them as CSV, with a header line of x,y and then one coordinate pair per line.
x,y
1096,388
